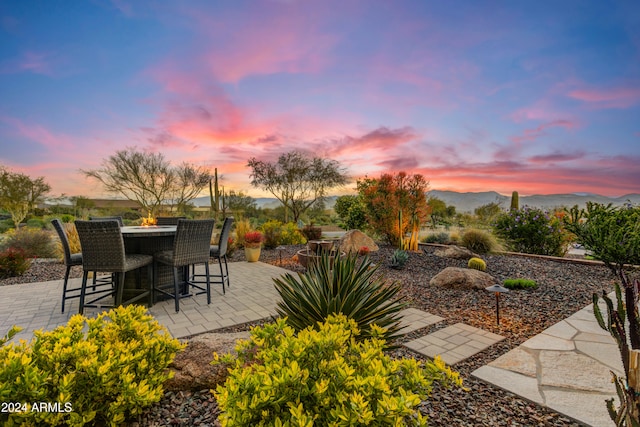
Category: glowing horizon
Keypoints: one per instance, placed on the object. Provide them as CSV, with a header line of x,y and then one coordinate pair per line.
x,y
476,96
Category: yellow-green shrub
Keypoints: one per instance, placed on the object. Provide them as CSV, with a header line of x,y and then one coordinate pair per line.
x,y
323,377
276,233
477,264
243,226
478,241
103,370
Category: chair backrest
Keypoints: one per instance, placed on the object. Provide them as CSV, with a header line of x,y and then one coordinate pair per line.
x,y
223,243
62,234
169,220
102,245
192,242
107,218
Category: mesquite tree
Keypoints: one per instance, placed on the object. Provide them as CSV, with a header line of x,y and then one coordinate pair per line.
x,y
19,193
149,178
297,180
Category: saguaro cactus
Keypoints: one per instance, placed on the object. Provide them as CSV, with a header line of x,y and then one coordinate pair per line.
x,y
515,201
214,194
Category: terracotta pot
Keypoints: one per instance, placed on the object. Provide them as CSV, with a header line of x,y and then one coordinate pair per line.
x,y
252,254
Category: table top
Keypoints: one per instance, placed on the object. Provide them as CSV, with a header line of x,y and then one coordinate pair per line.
x,y
148,231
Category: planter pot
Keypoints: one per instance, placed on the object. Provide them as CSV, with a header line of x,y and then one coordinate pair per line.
x,y
252,254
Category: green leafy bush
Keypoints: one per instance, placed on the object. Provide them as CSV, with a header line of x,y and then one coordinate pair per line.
x,y
342,285
477,264
36,243
35,223
324,377
441,237
520,284
533,231
352,212
611,234
13,262
478,241
103,370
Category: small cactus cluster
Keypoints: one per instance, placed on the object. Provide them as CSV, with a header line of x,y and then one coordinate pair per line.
x,y
477,264
399,258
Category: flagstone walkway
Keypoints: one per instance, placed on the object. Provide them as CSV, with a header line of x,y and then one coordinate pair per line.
x,y
566,368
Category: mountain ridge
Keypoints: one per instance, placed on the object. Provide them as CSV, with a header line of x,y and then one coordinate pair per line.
x,y
467,202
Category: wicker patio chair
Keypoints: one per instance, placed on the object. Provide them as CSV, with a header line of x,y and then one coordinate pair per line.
x,y
190,247
103,250
69,261
219,252
107,218
168,220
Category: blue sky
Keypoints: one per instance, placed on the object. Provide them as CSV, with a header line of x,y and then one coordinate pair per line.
x,y
539,97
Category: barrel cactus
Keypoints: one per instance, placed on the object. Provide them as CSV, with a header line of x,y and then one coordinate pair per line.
x,y
477,264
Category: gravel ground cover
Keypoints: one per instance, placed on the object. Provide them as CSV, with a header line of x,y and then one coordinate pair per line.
x,y
563,289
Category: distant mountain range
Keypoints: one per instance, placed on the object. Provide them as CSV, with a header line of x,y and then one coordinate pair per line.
x,y
468,202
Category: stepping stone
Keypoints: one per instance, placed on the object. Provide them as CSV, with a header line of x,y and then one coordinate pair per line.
x,y
414,319
454,343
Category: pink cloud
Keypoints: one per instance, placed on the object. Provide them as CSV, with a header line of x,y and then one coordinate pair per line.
x,y
33,62
39,134
275,39
535,133
557,156
617,97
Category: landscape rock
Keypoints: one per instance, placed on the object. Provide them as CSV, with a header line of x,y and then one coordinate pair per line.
x,y
353,240
455,252
192,367
465,278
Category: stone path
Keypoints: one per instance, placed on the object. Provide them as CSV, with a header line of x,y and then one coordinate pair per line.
x,y
252,296
454,343
566,368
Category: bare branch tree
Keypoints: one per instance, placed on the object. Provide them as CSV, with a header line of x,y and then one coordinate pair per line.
x,y
189,182
297,180
149,179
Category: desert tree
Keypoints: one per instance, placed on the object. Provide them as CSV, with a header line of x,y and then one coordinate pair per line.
x,y
19,193
297,180
148,178
189,181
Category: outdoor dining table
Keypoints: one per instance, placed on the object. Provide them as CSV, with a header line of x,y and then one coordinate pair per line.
x,y
148,240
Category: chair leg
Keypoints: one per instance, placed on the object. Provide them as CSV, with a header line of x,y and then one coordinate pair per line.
x,y
221,273
150,278
120,289
206,269
64,287
83,290
226,267
175,289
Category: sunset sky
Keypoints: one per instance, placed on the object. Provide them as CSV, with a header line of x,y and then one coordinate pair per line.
x,y
541,97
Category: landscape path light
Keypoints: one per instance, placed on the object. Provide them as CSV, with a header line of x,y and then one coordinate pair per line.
x,y
497,289
280,249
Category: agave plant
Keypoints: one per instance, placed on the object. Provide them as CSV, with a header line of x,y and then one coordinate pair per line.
x,y
342,285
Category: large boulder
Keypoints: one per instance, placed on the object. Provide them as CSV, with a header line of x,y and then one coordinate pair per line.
x,y
353,240
192,366
464,278
455,252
